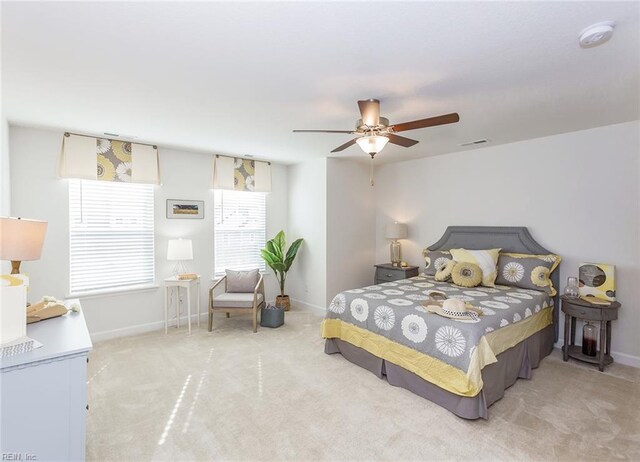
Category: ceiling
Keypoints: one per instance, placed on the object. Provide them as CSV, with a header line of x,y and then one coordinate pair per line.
x,y
236,78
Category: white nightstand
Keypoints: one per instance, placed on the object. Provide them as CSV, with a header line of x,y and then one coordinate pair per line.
x,y
173,281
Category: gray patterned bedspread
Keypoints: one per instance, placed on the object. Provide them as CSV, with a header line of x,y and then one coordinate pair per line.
x,y
393,310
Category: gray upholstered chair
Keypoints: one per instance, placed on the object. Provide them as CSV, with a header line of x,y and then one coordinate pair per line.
x,y
243,292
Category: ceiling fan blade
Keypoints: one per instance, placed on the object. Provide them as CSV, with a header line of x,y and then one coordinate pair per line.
x,y
401,140
430,122
323,131
345,145
370,111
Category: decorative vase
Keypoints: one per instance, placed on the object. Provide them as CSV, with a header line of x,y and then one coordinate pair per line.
x,y
572,289
589,339
282,301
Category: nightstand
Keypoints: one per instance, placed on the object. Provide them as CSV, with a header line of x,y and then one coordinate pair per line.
x,y
187,284
577,308
387,272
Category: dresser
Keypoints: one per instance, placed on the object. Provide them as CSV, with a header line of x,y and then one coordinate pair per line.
x,y
44,393
386,272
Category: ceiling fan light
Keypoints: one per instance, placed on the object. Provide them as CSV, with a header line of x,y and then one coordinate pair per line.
x,y
372,144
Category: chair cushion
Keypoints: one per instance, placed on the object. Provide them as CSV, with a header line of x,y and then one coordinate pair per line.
x,y
242,281
235,300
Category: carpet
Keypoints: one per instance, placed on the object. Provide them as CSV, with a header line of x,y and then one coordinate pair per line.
x,y
274,395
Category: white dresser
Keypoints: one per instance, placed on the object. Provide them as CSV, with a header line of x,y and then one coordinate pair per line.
x,y
44,393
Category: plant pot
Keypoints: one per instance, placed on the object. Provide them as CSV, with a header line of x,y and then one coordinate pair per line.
x,y
282,301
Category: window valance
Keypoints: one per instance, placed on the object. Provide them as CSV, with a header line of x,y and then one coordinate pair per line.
x,y
90,158
238,174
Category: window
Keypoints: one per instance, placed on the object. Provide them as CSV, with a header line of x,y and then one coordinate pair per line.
x,y
110,235
239,230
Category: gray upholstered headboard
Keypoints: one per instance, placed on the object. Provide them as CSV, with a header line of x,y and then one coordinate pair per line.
x,y
508,238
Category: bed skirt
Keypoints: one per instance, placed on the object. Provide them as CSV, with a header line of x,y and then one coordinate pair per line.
x,y
514,363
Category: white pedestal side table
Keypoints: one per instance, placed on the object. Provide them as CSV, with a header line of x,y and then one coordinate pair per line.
x,y
187,284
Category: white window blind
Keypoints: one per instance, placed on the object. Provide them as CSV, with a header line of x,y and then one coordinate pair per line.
x,y
111,240
240,225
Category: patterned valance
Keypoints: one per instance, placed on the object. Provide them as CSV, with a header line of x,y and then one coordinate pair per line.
x,y
108,160
237,174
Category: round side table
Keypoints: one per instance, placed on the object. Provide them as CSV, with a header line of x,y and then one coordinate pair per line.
x,y
574,308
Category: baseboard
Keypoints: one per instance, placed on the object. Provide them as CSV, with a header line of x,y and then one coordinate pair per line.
x,y
127,331
308,306
620,358
143,328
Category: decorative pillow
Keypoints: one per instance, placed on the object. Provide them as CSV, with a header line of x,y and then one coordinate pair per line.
x,y
466,274
444,273
242,281
485,259
527,271
434,260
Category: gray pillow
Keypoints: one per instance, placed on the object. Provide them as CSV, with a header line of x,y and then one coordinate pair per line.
x,y
242,281
527,271
434,260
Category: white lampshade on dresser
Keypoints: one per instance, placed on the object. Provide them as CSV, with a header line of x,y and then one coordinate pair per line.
x,y
395,231
179,250
21,240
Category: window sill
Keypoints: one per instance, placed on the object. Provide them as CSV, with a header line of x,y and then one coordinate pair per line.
x,y
113,292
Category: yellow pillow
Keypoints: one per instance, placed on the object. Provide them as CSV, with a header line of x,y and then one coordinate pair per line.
x,y
444,273
466,274
487,260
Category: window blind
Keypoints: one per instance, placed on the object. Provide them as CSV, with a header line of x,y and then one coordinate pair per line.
x,y
111,235
240,225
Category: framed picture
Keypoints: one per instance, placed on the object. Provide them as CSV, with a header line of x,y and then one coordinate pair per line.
x,y
178,208
597,280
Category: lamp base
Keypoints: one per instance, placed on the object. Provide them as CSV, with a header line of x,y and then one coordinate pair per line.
x,y
180,268
395,253
15,267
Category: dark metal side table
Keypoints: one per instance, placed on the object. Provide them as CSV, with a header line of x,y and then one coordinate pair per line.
x,y
574,308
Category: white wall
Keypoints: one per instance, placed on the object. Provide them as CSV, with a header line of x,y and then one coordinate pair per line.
x,y
306,282
578,193
351,227
5,184
37,193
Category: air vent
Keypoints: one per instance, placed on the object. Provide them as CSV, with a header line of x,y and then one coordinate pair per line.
x,y
473,143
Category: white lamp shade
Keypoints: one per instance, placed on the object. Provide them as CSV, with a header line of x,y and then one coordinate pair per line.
x,y
20,239
179,250
396,231
372,144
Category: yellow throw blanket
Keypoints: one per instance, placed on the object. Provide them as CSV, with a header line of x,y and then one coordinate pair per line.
x,y
434,370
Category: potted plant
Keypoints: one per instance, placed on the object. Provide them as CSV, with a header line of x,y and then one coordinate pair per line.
x,y
280,262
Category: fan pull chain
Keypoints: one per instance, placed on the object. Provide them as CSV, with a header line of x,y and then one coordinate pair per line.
x,y
371,182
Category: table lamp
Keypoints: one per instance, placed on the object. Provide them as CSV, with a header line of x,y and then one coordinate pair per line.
x,y
21,240
179,250
395,231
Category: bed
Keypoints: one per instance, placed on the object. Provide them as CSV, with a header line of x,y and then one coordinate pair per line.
x,y
462,366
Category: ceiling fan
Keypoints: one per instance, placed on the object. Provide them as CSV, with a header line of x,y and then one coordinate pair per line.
x,y
374,132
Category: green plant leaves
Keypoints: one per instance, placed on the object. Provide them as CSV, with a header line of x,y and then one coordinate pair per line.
x,y
274,255
279,244
291,253
272,260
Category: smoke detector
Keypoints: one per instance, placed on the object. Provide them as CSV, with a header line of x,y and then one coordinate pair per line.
x,y
596,34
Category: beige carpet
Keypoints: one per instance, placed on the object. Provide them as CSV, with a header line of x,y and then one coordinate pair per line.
x,y
274,395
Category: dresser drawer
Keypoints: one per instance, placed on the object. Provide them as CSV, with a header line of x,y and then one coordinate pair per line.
x,y
589,314
387,275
